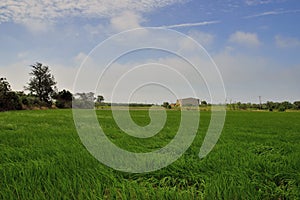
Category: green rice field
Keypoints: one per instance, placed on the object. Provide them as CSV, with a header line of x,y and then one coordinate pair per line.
x,y
256,157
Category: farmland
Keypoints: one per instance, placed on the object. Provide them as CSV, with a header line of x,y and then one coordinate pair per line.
x,y
256,157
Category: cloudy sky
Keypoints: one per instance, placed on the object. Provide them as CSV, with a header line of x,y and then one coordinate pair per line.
x,y
254,43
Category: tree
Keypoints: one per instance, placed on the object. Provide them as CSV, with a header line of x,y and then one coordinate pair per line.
x,y
84,100
42,83
297,105
28,100
238,104
90,96
100,98
270,105
63,99
286,105
4,86
9,100
166,105
281,108
203,103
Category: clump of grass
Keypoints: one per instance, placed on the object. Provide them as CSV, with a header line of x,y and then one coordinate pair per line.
x,y
8,127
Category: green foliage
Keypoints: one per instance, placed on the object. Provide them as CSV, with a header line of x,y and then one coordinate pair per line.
x,y
46,159
84,100
100,98
63,99
166,105
99,102
270,105
30,101
9,100
203,103
281,108
286,105
42,83
4,86
297,105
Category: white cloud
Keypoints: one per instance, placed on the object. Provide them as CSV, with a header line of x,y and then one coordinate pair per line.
x,y
37,26
80,57
129,20
47,10
286,42
23,54
94,30
123,21
190,24
272,13
126,20
201,37
258,2
246,39
65,76
261,2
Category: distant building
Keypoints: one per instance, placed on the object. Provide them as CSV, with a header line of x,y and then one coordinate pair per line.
x,y
173,105
187,102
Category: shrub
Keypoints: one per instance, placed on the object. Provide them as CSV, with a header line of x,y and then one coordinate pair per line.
x,y
281,108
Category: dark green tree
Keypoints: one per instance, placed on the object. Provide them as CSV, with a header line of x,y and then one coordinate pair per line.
x,y
270,105
4,85
166,105
9,100
63,99
286,105
281,108
203,103
100,98
42,83
297,105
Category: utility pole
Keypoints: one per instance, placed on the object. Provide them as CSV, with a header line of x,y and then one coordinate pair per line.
x,y
260,102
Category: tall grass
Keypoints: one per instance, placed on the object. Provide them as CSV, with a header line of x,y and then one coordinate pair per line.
x,y
257,157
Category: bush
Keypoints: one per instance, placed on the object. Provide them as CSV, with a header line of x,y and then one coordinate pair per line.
x,y
10,101
166,105
63,99
281,108
297,105
59,104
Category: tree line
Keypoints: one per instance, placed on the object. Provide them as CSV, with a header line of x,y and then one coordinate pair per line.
x,y
269,105
43,92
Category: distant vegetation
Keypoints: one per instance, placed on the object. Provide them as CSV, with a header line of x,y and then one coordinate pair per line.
x,y
9,100
42,84
269,105
43,93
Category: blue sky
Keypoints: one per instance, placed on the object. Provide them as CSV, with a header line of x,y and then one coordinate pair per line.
x,y
255,43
